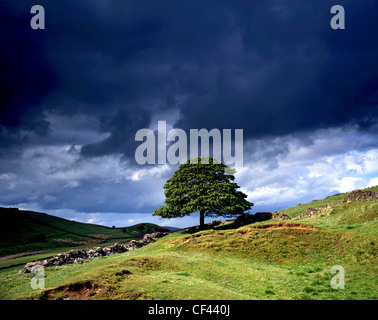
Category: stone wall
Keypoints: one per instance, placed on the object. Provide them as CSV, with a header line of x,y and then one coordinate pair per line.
x,y
78,255
260,216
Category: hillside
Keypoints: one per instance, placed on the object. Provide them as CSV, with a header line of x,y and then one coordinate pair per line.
x,y
25,231
143,228
273,259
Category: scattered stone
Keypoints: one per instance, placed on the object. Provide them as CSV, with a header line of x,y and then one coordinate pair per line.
x,y
310,212
361,195
327,205
280,216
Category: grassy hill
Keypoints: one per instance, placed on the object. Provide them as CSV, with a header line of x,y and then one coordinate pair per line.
x,y
28,231
273,259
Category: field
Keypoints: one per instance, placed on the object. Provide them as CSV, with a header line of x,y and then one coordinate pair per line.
x,y
273,259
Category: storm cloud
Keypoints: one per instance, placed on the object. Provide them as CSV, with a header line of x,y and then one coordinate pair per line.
x,y
73,96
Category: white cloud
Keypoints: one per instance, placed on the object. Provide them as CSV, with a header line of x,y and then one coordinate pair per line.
x,y
373,182
7,176
71,184
292,169
349,183
150,172
371,162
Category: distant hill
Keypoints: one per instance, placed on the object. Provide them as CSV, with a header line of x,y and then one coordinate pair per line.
x,y
22,231
172,228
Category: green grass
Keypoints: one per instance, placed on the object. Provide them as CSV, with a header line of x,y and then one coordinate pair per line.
x,y
156,272
258,261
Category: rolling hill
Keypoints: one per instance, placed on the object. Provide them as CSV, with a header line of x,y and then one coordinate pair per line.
x,y
29,231
272,259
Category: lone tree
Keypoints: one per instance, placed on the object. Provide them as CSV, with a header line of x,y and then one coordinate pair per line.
x,y
205,187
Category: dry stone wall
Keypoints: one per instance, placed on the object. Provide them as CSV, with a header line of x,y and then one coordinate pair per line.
x,y
78,255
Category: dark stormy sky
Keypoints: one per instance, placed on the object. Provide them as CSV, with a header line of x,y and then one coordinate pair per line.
x,y
73,96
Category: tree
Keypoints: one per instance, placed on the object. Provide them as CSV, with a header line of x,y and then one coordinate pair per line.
x,y
205,187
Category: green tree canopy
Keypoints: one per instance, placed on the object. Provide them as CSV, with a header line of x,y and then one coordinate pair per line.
x,y
203,185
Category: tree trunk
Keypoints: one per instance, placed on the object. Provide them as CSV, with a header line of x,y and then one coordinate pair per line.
x,y
202,219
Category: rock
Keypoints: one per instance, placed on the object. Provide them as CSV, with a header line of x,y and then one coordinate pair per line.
x,y
327,205
262,216
310,212
215,223
134,244
27,268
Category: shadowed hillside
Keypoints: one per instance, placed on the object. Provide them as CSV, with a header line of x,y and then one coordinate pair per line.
x,y
24,231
